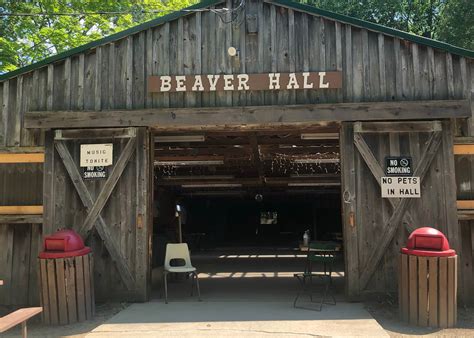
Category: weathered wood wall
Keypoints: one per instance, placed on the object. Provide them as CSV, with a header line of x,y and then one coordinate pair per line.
x,y
375,67
467,264
125,214
20,245
372,218
465,176
465,191
20,184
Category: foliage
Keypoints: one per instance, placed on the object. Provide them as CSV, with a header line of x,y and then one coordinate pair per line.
x,y
27,39
451,21
456,24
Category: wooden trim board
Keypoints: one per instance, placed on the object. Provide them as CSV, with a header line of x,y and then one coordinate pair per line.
x,y
21,210
21,157
465,205
464,149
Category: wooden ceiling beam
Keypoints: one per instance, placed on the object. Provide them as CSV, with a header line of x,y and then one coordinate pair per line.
x,y
253,181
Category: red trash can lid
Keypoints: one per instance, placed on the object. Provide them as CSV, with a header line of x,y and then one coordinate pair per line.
x,y
428,241
62,244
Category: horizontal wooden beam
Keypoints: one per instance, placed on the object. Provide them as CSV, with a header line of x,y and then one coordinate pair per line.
x,y
466,215
21,210
62,135
204,118
21,158
251,182
189,158
21,219
463,149
398,127
464,140
21,150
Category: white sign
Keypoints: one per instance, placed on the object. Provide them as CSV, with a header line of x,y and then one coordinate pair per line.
x,y
400,187
95,155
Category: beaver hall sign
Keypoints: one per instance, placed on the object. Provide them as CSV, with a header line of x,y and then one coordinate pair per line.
x,y
244,82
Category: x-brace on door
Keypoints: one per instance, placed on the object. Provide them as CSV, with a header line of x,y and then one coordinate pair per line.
x,y
375,228
111,213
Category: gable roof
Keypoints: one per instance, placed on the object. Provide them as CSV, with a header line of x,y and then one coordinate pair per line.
x,y
207,3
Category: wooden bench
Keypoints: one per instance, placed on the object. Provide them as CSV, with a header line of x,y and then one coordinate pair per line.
x,y
18,317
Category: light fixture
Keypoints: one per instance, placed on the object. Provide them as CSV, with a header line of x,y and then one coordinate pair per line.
x,y
322,175
314,184
212,185
201,177
180,138
320,136
232,51
189,163
316,160
214,193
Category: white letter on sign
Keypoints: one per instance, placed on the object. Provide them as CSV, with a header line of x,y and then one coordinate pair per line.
x,y
306,85
165,83
274,80
243,79
180,85
292,84
228,82
198,84
321,80
213,84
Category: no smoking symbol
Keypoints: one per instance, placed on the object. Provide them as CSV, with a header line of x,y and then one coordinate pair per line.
x,y
404,162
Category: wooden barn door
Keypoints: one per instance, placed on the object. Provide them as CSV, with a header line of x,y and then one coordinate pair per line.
x,y
375,228
112,213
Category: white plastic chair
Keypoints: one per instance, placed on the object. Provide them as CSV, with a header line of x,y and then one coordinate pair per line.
x,y
179,252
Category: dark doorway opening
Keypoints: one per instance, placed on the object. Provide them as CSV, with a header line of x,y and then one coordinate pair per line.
x,y
242,202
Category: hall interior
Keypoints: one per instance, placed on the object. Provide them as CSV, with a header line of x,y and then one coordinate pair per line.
x,y
242,201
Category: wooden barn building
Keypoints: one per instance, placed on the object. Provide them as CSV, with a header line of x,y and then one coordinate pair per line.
x,y
262,119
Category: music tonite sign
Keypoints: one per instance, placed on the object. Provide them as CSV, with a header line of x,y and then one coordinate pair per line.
x,y
244,82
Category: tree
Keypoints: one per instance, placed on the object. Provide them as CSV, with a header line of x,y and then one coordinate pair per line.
x,y
451,21
456,24
68,24
58,25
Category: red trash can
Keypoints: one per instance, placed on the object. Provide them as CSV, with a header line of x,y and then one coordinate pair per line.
x,y
427,286
66,279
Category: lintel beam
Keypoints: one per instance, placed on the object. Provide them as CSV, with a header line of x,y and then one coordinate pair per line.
x,y
204,118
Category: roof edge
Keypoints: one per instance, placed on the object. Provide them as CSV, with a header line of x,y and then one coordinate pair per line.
x,y
375,27
107,39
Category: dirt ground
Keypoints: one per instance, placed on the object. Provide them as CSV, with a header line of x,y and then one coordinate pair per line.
x,y
386,313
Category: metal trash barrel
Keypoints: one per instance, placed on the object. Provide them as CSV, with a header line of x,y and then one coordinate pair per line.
x,y
427,286
66,279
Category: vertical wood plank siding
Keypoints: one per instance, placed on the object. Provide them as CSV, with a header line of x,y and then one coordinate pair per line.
x,y
375,66
21,244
